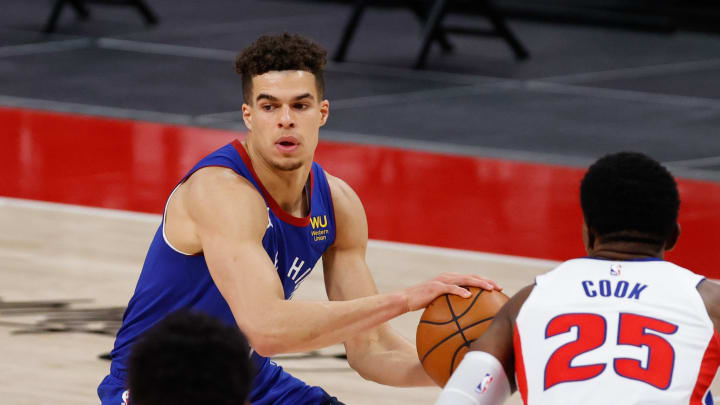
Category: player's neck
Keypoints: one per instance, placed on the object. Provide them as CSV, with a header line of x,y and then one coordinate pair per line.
x,y
626,251
285,186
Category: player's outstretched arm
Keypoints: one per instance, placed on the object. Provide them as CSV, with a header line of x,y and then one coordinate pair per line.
x,y
228,220
379,354
486,374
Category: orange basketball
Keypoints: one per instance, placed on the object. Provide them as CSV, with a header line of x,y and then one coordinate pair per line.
x,y
448,326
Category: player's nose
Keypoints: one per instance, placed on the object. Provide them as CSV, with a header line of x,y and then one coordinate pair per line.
x,y
286,118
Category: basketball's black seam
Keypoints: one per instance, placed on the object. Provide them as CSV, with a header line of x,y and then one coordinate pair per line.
x,y
451,335
452,313
455,355
459,316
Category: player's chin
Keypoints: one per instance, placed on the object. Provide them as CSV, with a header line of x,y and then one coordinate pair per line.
x,y
287,164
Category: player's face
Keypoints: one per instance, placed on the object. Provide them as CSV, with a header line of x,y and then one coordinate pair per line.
x,y
284,118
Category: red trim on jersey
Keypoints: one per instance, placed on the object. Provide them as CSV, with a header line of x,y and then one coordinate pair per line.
x,y
520,366
708,368
279,212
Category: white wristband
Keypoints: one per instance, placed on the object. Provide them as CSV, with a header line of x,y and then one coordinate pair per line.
x,y
479,380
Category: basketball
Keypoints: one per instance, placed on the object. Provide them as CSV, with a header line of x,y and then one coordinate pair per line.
x,y
448,326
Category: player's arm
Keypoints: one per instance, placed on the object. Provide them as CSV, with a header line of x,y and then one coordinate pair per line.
x,y
379,354
710,292
229,219
486,374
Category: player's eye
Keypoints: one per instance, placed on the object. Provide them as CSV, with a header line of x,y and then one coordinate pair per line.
x,y
267,107
300,106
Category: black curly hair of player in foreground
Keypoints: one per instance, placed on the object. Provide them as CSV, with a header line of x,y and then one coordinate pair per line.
x,y
190,358
628,196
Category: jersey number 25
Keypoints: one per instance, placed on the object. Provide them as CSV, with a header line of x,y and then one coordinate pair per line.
x,y
591,332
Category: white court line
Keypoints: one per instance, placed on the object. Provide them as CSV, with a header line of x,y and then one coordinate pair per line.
x,y
111,112
616,94
165,49
634,72
465,254
699,162
80,209
156,218
45,47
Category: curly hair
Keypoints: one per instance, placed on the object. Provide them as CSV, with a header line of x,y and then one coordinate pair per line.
x,y
190,358
281,52
628,193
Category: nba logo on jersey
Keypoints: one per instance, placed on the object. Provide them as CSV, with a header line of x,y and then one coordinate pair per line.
x,y
483,386
125,398
615,269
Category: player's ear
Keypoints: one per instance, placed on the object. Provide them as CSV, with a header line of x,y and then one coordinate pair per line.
x,y
247,116
324,111
672,240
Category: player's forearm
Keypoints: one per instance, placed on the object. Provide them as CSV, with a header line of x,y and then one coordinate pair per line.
x,y
385,357
396,368
293,326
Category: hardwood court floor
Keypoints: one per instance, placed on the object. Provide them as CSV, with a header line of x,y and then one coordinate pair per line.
x,y
62,252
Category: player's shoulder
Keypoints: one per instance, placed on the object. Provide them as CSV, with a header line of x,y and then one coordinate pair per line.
x,y
216,187
343,196
338,186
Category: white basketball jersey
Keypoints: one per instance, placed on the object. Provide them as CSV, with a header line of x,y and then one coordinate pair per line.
x,y
615,333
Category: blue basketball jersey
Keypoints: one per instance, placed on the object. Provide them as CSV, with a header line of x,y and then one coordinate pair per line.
x,y
171,280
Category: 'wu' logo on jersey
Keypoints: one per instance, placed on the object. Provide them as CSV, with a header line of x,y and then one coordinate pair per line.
x,y
319,222
322,223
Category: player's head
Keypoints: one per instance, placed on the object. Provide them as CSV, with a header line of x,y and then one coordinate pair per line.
x,y
283,89
187,359
629,197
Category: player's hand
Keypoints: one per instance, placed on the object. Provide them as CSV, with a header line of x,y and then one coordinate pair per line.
x,y
420,296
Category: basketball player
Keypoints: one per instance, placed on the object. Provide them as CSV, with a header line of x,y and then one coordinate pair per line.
x,y
249,222
188,359
620,326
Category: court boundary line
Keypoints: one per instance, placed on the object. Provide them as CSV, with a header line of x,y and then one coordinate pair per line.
x,y
699,162
35,48
94,110
111,213
634,72
625,95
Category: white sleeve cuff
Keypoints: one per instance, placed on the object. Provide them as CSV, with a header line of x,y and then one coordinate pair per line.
x,y
479,380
